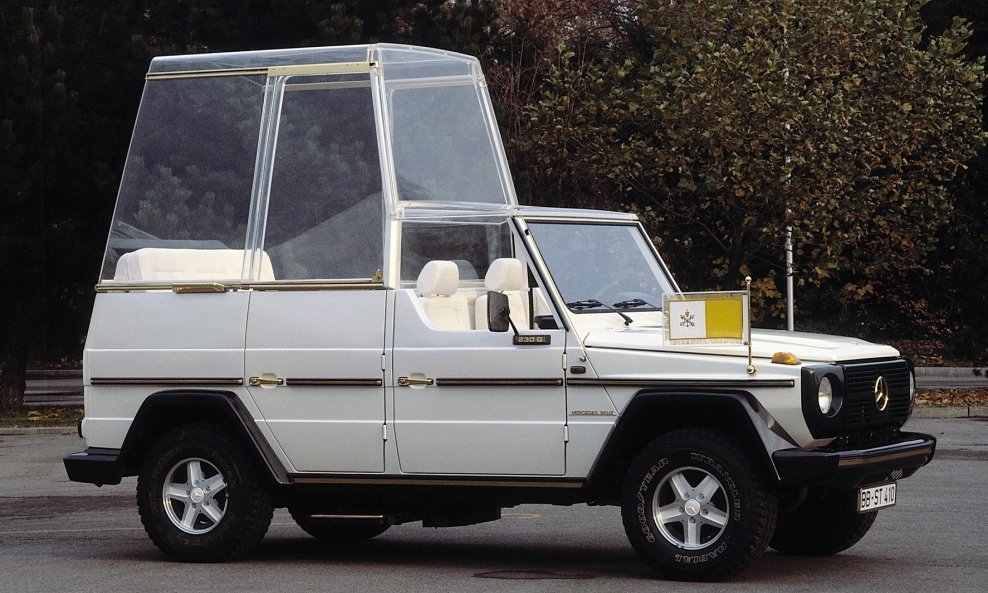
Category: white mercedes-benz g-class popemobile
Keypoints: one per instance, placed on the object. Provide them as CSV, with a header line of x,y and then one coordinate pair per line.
x,y
320,293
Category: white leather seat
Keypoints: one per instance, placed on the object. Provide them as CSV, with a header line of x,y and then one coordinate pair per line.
x,y
155,264
505,275
437,284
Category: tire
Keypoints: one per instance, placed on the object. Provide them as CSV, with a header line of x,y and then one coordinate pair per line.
x,y
200,496
335,533
695,507
822,526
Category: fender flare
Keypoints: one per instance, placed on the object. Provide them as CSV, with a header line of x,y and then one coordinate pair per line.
x,y
652,412
165,410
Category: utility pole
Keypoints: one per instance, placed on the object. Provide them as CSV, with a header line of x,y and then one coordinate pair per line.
x,y
790,308
790,297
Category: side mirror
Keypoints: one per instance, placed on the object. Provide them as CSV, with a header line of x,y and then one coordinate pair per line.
x,y
498,311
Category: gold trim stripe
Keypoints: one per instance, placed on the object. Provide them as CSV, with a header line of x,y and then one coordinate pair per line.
x,y
210,287
456,382
199,288
334,382
424,482
315,69
349,517
179,287
293,70
206,73
301,285
717,383
185,382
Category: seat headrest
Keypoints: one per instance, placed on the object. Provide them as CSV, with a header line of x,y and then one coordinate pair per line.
x,y
438,277
160,264
505,273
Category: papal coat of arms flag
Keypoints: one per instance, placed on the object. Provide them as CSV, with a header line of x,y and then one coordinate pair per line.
x,y
706,317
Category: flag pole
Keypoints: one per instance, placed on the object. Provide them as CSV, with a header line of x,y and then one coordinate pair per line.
x,y
747,292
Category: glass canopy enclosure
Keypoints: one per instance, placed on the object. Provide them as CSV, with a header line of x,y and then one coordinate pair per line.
x,y
290,165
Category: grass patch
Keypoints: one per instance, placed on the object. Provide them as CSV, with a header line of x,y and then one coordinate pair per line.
x,y
28,418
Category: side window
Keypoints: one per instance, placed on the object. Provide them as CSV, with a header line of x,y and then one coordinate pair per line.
x,y
442,148
486,258
325,215
472,246
186,187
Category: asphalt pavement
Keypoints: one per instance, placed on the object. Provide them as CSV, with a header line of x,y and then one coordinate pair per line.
x,y
951,377
57,535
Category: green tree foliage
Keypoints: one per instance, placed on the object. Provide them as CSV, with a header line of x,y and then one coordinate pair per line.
x,y
35,114
964,296
180,26
732,119
530,35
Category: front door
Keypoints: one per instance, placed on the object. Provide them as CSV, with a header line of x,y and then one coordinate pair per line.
x,y
469,402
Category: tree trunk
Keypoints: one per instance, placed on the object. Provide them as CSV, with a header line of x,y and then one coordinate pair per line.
x,y
12,383
14,352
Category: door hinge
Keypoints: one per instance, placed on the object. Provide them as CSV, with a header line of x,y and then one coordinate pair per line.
x,y
384,431
565,364
565,433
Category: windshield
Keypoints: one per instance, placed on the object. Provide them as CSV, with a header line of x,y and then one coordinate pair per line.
x,y
602,267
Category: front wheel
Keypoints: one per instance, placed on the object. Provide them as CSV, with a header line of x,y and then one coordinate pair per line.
x,y
695,507
200,497
822,525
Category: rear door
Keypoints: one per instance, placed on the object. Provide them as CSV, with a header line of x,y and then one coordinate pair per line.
x,y
315,333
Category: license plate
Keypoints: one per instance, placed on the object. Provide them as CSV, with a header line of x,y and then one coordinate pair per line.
x,y
876,497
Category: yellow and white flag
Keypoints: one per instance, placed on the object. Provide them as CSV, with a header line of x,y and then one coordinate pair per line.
x,y
706,318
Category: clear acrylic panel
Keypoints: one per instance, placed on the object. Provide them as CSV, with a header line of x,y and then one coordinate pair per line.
x,y
325,214
442,146
472,245
187,181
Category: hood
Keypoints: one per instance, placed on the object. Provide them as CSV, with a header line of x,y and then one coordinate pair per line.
x,y
816,348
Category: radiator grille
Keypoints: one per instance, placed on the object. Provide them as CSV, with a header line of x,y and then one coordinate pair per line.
x,y
860,379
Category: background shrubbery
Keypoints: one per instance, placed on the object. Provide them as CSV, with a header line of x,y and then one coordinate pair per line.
x,y
858,122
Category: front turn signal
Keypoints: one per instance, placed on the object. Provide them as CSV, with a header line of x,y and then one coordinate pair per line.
x,y
786,358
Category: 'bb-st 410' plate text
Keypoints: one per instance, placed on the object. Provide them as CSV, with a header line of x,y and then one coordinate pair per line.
x,y
876,497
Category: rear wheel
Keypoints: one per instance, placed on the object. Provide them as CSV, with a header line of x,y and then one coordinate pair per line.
x,y
200,496
334,533
822,525
695,507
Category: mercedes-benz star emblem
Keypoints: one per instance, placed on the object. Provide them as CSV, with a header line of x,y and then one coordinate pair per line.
x,y
881,394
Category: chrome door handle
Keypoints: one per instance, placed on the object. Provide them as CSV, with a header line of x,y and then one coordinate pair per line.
x,y
414,381
265,380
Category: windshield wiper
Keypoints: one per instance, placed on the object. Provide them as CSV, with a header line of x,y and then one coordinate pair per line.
x,y
593,304
633,303
587,304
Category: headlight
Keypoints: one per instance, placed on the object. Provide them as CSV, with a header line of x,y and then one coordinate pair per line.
x,y
825,396
822,399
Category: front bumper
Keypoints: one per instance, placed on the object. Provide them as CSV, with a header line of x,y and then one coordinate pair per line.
x,y
854,468
95,465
